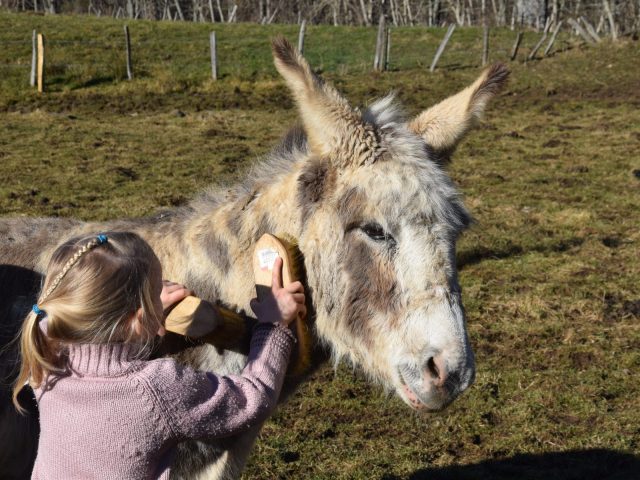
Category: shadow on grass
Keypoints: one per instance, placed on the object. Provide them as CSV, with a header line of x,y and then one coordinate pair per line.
x,y
481,253
92,82
596,464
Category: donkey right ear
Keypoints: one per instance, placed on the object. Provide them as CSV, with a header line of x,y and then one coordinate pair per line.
x,y
334,129
445,124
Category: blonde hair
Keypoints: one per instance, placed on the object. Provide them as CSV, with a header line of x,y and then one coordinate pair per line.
x,y
92,290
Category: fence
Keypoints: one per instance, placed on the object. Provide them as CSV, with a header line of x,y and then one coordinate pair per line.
x,y
197,54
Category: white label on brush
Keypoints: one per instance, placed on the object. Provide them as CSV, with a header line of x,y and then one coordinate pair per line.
x,y
266,258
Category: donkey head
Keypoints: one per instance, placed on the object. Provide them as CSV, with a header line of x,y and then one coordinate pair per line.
x,y
379,224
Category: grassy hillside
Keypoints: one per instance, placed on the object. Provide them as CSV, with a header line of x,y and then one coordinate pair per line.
x,y
550,271
86,59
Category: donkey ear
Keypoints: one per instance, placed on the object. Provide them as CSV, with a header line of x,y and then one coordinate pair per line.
x,y
445,124
334,129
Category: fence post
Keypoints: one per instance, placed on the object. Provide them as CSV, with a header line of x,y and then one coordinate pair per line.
x,y
387,55
442,46
34,58
485,44
553,39
303,27
378,61
214,56
537,47
539,44
128,46
516,45
40,62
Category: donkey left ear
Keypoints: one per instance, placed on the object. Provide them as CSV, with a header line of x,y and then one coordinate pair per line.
x,y
445,124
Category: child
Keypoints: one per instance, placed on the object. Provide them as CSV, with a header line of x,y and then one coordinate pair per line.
x,y
105,411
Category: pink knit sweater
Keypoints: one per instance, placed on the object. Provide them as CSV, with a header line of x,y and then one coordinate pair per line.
x,y
115,417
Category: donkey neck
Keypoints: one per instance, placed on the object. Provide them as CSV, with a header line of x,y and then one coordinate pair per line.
x,y
221,233
267,206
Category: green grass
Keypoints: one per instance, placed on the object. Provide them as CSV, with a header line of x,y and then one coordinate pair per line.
x,y
550,270
86,61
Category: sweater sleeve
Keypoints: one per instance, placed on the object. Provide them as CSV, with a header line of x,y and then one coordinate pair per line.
x,y
204,405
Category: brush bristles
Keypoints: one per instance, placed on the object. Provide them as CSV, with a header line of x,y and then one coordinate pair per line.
x,y
301,359
226,335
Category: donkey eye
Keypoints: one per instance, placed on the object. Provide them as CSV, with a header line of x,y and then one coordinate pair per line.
x,y
376,232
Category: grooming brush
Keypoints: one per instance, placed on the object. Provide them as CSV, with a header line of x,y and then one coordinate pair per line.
x,y
196,318
193,317
221,327
267,249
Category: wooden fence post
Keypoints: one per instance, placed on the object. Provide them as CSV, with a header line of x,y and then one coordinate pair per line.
x,y
214,55
303,27
516,45
40,63
442,46
537,47
34,58
485,44
378,61
387,55
553,39
128,46
539,44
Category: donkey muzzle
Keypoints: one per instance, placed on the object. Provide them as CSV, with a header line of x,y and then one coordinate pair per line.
x,y
436,382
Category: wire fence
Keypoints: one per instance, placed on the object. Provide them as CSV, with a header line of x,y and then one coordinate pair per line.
x,y
243,52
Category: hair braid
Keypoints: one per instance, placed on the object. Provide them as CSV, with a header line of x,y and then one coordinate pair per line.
x,y
94,242
93,299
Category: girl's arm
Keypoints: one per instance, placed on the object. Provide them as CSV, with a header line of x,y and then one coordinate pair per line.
x,y
200,405
205,405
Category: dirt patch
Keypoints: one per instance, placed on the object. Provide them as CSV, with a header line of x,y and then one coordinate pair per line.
x,y
553,143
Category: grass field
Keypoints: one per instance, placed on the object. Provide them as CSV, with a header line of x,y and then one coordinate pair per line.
x,y
550,271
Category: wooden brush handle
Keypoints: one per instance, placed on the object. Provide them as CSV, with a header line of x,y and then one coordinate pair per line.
x,y
193,317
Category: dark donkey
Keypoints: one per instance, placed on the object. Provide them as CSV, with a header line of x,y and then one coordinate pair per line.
x,y
376,219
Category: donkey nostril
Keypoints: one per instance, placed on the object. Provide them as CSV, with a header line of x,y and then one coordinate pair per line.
x,y
432,368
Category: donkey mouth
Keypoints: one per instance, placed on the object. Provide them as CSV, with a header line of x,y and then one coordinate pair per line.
x,y
430,400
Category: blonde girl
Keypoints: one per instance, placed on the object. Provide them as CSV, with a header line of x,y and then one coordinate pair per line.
x,y
106,411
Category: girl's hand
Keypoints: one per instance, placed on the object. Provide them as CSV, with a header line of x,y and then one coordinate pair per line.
x,y
284,304
172,293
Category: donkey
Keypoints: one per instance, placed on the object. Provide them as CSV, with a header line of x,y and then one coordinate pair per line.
x,y
376,219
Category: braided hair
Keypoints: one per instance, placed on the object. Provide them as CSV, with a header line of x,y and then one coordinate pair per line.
x,y
95,286
94,242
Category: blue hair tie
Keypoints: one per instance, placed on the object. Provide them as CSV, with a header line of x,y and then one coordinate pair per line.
x,y
102,239
37,310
